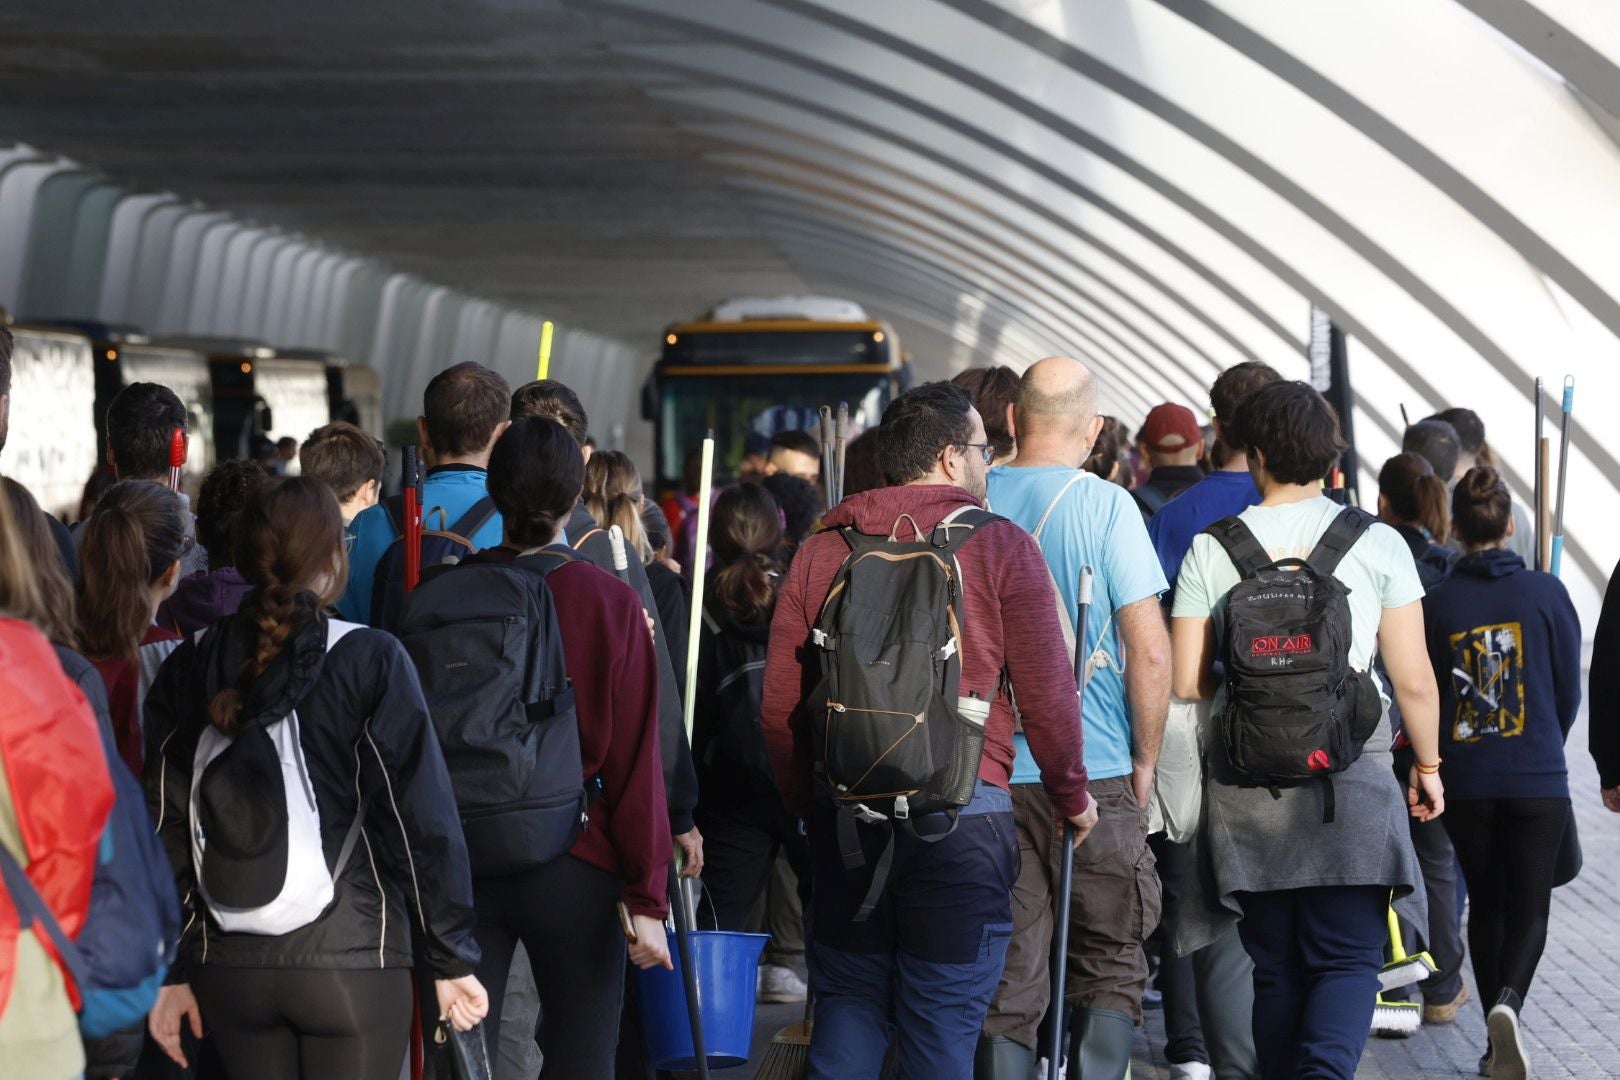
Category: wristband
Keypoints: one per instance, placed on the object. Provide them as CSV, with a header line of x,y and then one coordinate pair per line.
x,y
1428,770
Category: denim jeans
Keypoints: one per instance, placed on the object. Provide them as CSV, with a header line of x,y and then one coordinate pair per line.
x,y
923,966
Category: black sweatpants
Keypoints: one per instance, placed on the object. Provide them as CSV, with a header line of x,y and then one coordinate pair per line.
x,y
740,843
566,916
309,1023
1508,849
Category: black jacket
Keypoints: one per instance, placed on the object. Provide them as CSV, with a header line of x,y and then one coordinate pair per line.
x,y
733,766
680,779
364,727
1604,704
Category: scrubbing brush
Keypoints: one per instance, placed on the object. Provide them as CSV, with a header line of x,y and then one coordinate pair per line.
x,y
1396,1019
1403,969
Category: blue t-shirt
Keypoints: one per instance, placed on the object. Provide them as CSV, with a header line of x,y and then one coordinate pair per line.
x,y
451,490
1094,522
1218,495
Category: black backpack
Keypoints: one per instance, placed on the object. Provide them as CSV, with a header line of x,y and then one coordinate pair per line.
x,y
440,548
1295,710
487,647
728,743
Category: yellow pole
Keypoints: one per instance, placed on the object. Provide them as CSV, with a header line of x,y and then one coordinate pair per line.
x,y
700,555
543,368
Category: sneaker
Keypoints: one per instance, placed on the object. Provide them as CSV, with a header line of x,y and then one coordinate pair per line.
x,y
1446,1012
780,986
1190,1070
1508,1060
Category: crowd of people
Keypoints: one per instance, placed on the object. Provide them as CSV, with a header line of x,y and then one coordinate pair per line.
x,y
359,799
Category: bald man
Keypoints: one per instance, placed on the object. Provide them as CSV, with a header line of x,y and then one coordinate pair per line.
x,y
1080,520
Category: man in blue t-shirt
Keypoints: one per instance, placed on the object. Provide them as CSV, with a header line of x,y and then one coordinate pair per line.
x,y
1221,975
1081,520
464,410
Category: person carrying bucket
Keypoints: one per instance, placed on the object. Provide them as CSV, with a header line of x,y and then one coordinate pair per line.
x,y
892,738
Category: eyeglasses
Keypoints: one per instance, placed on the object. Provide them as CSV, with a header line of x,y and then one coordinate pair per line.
x,y
987,452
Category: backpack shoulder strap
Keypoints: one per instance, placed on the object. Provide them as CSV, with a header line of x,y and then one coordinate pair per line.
x,y
1149,498
550,558
1040,526
33,911
476,517
1340,537
956,528
1240,545
580,543
394,510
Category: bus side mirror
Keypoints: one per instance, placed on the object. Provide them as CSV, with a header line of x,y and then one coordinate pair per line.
x,y
649,398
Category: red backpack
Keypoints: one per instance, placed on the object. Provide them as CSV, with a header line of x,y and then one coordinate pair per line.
x,y
60,790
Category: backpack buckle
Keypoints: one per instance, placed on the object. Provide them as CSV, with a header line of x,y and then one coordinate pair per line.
x,y
902,808
868,816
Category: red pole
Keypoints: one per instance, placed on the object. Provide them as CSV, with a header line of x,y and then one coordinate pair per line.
x,y
413,519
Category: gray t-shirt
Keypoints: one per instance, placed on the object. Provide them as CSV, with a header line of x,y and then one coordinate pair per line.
x,y
1251,841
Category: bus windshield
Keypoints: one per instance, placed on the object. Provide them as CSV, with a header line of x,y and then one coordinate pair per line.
x,y
758,405
833,346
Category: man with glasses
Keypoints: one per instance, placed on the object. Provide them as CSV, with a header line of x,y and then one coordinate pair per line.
x,y
925,961
1080,520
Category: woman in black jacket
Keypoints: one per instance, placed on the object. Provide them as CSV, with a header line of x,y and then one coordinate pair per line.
x,y
740,811
331,997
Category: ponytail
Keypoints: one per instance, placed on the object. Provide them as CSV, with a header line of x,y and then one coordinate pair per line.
x,y
746,534
289,545
1416,496
613,496
131,540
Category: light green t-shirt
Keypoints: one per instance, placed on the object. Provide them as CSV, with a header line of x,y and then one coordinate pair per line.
x,y
1378,571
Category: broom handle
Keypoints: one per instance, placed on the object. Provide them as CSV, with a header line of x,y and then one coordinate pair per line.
x,y
1543,515
1397,947
1540,482
683,947
1563,477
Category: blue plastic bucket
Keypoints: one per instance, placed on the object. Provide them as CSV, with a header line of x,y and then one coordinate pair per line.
x,y
727,967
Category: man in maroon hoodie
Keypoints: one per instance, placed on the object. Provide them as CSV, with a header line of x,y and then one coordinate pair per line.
x,y
926,961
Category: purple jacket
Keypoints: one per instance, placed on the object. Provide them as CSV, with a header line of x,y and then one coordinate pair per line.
x,y
203,599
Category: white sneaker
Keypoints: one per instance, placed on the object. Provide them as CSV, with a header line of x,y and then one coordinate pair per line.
x,y
780,986
1190,1070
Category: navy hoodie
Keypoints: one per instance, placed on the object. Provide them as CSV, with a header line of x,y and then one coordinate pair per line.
x,y
1506,647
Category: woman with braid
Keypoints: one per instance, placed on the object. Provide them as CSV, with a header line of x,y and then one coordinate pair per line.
x,y
330,997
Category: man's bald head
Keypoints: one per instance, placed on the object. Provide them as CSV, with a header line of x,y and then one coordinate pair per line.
x,y
1057,398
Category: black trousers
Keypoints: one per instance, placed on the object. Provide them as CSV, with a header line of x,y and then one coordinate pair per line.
x,y
309,1023
740,843
1508,849
566,916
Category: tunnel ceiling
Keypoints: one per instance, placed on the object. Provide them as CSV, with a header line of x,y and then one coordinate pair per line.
x,y
1163,187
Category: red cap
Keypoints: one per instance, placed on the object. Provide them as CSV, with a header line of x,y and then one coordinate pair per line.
x,y
1171,428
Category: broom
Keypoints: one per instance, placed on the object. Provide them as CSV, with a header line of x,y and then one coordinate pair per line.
x,y
788,1056
1399,1019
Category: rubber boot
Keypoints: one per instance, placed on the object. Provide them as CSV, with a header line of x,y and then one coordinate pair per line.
x,y
1000,1058
1101,1045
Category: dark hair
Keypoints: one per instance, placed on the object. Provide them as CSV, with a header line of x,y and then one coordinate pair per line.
x,y
1481,507
798,441
34,584
551,400
1232,388
101,478
1436,440
1416,496
343,457
462,407
613,495
535,477
1294,429
655,527
7,343
799,500
747,531
1469,427
918,426
140,427
135,534
1109,449
288,537
862,471
225,491
993,389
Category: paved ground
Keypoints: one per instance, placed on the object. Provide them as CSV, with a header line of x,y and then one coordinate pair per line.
x,y
1571,1022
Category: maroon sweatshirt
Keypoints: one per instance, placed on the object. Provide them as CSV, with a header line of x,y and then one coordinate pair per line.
x,y
610,659
1009,622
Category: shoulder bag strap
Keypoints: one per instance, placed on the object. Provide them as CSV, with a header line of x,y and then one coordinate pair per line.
x,y
1040,526
1340,537
1240,545
394,510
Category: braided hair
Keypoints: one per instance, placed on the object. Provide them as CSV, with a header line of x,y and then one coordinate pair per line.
x,y
289,545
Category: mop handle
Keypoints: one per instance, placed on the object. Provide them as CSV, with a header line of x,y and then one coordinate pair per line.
x,y
621,560
700,564
1563,476
1397,947
1541,409
1081,630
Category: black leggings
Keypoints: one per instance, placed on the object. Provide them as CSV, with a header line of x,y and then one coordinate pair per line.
x,y
287,1023
1508,849
566,916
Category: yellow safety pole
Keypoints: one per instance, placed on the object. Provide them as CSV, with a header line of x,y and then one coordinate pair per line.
x,y
543,367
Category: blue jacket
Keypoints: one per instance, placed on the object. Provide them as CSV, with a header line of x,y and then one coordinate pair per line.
x,y
1506,647
451,489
